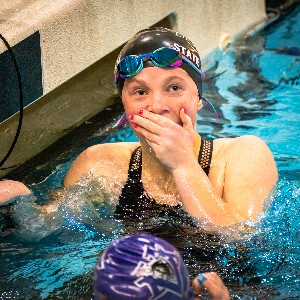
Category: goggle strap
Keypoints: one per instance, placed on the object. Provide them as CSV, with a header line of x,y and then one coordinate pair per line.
x,y
192,65
207,101
120,121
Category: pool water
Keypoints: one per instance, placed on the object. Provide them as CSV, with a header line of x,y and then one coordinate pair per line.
x,y
255,87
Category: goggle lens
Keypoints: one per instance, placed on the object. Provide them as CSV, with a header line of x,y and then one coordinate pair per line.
x,y
129,65
132,64
164,57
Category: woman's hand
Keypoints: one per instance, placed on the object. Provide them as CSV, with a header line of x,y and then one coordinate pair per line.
x,y
10,189
171,142
213,284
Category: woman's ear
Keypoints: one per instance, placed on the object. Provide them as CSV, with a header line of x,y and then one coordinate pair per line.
x,y
199,103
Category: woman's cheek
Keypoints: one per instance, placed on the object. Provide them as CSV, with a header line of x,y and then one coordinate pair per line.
x,y
129,107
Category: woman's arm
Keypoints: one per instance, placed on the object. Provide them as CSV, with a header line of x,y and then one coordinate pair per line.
x,y
10,189
250,174
250,171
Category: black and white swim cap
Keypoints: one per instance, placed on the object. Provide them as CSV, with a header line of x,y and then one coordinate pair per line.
x,y
150,39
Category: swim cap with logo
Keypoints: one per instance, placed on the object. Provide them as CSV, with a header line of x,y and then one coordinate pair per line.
x,y
141,267
150,39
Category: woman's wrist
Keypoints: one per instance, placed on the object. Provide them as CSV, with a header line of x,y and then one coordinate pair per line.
x,y
189,166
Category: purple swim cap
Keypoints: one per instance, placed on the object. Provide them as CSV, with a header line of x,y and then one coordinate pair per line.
x,y
141,267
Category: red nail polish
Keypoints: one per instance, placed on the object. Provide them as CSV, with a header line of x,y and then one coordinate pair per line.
x,y
131,117
135,126
184,110
141,112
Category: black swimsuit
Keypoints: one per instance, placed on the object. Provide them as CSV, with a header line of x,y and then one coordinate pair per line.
x,y
135,203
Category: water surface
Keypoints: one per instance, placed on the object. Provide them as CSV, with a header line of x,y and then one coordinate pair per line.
x,y
255,86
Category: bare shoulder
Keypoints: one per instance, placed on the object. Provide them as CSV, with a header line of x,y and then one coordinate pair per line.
x,y
255,153
241,146
251,142
246,151
109,151
101,160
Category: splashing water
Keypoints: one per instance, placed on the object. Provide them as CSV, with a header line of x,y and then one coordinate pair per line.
x,y
256,86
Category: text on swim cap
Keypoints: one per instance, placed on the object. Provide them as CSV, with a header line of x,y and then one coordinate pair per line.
x,y
188,54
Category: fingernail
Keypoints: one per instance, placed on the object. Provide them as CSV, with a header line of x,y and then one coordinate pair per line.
x,y
141,112
131,117
135,126
201,278
184,110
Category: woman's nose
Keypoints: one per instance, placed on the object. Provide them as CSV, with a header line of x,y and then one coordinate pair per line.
x,y
156,103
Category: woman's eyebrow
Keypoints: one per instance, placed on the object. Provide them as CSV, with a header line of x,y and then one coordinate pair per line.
x,y
134,80
174,77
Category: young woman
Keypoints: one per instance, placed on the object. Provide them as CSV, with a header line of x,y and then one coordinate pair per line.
x,y
225,181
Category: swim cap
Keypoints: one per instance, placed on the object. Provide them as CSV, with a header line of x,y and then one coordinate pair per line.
x,y
150,39
141,267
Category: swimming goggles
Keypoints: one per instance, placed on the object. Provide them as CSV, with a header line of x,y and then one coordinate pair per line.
x,y
162,57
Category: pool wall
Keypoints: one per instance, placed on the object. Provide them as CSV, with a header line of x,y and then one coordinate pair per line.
x,y
65,51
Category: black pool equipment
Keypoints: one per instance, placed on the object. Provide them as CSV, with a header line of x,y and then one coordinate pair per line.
x,y
20,100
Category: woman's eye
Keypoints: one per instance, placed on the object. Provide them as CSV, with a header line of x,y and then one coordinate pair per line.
x,y
140,92
174,88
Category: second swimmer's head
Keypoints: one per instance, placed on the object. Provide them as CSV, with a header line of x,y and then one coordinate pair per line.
x,y
141,267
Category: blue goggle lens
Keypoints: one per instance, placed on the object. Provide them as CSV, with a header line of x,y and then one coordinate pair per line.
x,y
131,65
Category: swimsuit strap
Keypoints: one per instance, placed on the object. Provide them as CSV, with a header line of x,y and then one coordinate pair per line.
x,y
204,160
135,166
205,154
129,200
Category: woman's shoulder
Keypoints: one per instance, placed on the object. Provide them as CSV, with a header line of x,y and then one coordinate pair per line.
x,y
244,140
101,160
239,146
110,150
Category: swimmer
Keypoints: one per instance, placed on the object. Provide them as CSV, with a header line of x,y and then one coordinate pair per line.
x,y
222,182
143,266
225,181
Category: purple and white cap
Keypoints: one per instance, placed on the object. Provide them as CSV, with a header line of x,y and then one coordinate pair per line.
x,y
141,267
